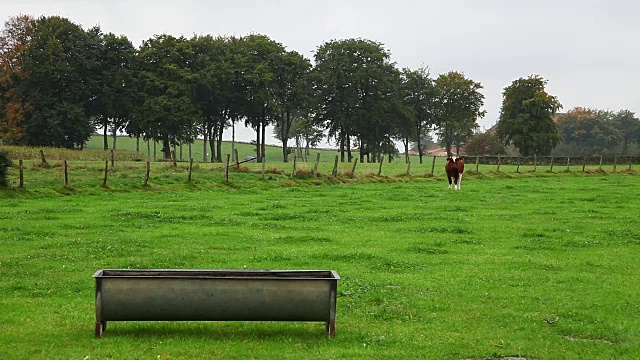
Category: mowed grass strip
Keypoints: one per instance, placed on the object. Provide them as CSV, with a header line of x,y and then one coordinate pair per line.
x,y
540,268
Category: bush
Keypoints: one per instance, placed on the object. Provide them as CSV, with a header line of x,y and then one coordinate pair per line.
x,y
5,162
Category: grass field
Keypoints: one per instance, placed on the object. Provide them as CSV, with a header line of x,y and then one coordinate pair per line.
x,y
538,266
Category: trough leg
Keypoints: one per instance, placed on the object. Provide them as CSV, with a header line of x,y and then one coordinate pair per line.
x,y
331,328
99,329
330,325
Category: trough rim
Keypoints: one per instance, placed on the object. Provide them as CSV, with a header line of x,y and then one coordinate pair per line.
x,y
221,274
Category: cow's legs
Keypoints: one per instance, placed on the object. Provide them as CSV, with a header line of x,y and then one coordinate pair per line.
x,y
449,178
459,181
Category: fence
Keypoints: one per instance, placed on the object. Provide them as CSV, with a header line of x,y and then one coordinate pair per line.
x,y
299,168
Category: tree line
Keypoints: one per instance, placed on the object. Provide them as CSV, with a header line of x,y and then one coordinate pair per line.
x,y
60,82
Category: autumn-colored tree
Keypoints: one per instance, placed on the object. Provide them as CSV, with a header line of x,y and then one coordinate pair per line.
x,y
14,40
588,131
485,144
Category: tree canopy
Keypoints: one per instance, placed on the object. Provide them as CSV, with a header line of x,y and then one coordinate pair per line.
x,y
59,83
526,117
457,107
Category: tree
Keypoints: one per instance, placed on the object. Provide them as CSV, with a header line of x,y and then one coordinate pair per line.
x,y
260,56
628,125
14,41
485,144
419,94
114,98
53,82
292,94
304,132
588,132
526,117
217,68
357,89
457,108
168,83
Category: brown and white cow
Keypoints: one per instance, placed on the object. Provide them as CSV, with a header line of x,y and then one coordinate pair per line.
x,y
454,169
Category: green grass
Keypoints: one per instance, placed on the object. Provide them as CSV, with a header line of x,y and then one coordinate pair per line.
x,y
542,266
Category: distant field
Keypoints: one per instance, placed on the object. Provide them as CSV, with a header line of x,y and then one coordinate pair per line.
x,y
274,153
540,267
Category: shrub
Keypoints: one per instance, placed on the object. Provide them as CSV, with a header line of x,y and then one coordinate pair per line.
x,y
5,162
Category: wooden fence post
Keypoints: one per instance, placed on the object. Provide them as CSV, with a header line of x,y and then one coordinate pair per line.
x,y
106,171
315,166
226,169
334,172
113,159
600,168
21,168
66,174
477,163
380,166
499,161
535,162
190,169
146,177
568,162
584,163
264,161
629,163
433,165
353,169
615,163
43,161
551,164
293,169
518,167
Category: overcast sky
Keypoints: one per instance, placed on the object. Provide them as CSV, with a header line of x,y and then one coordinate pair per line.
x,y
588,50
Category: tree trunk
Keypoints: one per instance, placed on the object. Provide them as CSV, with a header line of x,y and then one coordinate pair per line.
x,y
405,142
115,137
233,139
258,157
213,134
204,149
349,155
448,148
262,143
166,149
137,143
219,144
105,136
341,146
284,135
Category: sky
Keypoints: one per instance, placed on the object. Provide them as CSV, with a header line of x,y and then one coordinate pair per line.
x,y
586,49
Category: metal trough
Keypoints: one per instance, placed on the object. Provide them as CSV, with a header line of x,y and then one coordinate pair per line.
x,y
216,295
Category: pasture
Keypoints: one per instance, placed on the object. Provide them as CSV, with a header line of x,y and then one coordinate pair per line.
x,y
540,267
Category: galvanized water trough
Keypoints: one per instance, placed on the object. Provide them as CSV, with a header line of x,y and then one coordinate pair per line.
x,y
216,295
